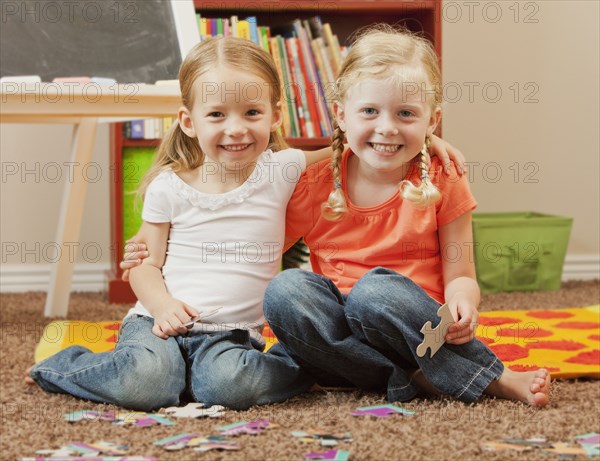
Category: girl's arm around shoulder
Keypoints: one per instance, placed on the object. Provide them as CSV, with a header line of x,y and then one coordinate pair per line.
x,y
316,156
460,285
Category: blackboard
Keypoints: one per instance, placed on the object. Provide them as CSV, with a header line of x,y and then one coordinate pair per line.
x,y
128,40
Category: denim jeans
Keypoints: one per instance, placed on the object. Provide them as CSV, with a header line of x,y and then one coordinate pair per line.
x,y
369,337
145,372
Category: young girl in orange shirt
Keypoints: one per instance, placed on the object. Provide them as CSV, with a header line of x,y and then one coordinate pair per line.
x,y
390,241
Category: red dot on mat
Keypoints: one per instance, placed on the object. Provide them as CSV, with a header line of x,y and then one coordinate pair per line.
x,y
524,332
586,358
509,352
492,321
112,339
518,367
550,314
562,345
594,337
578,325
113,326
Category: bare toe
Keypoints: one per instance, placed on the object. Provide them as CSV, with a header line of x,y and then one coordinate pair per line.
x,y
28,378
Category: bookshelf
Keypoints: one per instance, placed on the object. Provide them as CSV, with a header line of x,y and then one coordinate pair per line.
x,y
345,17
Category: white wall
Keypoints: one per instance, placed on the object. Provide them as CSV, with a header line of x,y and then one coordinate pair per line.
x,y
535,146
547,150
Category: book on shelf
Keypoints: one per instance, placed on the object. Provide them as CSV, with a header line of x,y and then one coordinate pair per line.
x,y
307,57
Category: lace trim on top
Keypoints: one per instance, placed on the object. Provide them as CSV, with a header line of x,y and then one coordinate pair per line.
x,y
216,201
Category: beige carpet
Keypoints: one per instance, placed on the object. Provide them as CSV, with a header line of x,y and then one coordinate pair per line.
x,y
442,429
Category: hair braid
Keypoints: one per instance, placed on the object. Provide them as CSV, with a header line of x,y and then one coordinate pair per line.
x,y
335,206
425,193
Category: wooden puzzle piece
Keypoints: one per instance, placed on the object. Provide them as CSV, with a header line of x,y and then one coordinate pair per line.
x,y
433,338
195,410
381,411
333,455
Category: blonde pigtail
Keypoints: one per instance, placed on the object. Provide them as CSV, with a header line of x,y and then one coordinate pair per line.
x,y
425,193
335,206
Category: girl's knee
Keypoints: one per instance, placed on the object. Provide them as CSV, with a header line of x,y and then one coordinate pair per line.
x,y
150,381
286,294
150,388
228,387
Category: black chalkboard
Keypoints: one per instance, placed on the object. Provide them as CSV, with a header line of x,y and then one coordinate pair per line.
x,y
128,40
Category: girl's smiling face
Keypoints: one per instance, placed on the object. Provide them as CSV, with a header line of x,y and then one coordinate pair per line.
x,y
232,116
385,122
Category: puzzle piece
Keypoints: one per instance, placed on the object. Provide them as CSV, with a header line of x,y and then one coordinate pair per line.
x,y
253,427
82,450
333,455
199,318
196,410
590,443
327,440
433,338
381,411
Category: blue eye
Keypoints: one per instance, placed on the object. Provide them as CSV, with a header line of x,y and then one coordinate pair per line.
x,y
406,113
253,113
369,111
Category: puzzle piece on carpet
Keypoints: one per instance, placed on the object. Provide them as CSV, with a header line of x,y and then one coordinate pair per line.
x,y
333,455
565,450
120,418
81,450
243,427
433,338
325,439
381,411
195,410
590,443
212,442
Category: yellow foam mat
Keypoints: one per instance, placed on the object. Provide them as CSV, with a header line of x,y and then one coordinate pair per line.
x,y
565,341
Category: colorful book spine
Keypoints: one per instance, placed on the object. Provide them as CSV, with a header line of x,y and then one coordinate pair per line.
x,y
288,88
274,49
299,87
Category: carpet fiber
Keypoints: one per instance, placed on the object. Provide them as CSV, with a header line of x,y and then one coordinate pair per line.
x,y
441,429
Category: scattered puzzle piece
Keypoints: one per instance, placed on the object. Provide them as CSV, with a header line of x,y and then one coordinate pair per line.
x,y
82,451
590,443
333,455
433,338
195,410
327,440
381,411
139,419
253,427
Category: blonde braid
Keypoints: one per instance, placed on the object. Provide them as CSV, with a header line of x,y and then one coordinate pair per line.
x,y
335,206
425,193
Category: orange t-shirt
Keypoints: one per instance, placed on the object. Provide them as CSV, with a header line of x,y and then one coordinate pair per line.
x,y
393,234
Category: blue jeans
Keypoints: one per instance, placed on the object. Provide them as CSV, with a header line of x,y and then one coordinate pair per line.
x,y
369,337
145,372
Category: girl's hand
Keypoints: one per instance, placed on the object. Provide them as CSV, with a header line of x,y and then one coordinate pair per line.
x,y
169,321
446,152
135,252
463,330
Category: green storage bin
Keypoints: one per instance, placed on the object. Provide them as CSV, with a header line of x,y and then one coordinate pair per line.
x,y
521,251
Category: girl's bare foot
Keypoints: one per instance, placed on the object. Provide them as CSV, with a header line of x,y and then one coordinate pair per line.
x,y
28,378
532,387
